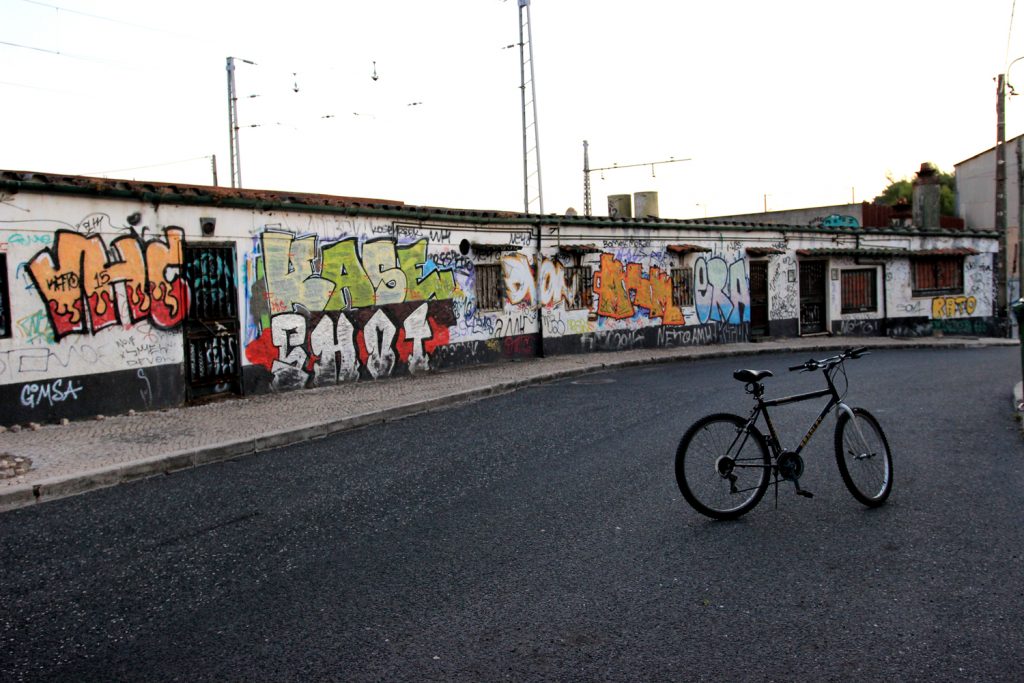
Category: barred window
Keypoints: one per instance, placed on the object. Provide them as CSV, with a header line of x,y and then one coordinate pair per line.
x,y
937,275
5,302
682,286
490,287
858,291
580,280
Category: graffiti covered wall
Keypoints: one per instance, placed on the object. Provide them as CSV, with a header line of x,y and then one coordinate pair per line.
x,y
93,302
636,303
110,304
383,300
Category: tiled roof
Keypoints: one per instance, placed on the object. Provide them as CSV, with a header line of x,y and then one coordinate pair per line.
x,y
265,200
890,253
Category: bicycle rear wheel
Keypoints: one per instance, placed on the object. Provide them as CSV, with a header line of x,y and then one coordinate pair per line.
x,y
722,467
864,458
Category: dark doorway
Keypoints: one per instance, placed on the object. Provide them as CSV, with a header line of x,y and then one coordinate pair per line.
x,y
212,359
758,298
812,297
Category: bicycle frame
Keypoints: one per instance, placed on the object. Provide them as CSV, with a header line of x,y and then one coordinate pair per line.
x,y
774,442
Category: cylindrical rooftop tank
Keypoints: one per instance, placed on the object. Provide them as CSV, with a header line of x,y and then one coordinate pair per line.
x,y
620,206
646,204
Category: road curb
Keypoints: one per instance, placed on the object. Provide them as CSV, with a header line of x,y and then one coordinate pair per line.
x,y
26,495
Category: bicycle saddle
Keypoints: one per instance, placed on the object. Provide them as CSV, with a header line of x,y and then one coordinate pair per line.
x,y
749,376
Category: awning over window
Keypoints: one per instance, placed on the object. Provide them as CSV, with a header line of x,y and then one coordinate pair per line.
x,y
764,251
686,248
480,247
579,248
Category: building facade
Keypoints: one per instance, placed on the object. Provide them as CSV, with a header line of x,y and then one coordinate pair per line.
x,y
118,296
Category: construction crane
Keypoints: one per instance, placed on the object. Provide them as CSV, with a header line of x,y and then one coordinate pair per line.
x,y
586,172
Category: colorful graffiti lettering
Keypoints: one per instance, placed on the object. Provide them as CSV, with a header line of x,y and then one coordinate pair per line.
x,y
76,279
835,220
553,290
953,306
721,292
325,348
622,289
520,287
35,328
298,273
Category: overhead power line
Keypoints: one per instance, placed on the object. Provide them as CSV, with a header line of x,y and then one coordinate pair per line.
x,y
110,19
139,168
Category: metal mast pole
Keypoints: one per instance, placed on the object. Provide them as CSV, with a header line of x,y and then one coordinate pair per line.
x,y
236,161
586,179
526,47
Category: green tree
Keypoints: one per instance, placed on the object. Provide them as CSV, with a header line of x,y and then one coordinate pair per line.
x,y
902,192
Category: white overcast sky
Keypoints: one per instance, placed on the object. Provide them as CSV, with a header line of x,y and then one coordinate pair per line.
x,y
810,102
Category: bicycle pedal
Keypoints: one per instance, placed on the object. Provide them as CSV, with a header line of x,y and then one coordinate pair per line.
x,y
805,494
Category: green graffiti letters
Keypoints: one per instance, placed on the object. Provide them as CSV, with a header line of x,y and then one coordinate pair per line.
x,y
299,273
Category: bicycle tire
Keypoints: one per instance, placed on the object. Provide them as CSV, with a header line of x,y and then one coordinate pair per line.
x,y
698,460
858,447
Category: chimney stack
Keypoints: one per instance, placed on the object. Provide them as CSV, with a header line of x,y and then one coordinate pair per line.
x,y
926,197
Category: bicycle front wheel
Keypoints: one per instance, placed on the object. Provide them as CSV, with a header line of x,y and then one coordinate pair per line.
x,y
864,458
722,466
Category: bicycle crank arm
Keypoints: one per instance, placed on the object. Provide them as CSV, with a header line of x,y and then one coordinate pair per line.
x,y
802,492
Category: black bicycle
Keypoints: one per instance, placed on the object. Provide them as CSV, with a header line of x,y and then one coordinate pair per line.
x,y
724,464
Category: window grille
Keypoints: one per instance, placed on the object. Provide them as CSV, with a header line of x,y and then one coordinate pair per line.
x,y
580,280
937,275
490,287
682,286
858,291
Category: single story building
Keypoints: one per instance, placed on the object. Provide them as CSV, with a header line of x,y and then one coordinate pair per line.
x,y
121,295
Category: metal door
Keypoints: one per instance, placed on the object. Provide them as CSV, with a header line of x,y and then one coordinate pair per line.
x,y
758,298
812,297
212,359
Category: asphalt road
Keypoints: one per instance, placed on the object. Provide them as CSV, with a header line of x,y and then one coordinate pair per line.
x,y
540,535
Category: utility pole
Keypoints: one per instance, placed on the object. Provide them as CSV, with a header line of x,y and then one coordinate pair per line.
x,y
1000,264
529,121
236,157
213,163
236,162
586,179
1020,220
587,170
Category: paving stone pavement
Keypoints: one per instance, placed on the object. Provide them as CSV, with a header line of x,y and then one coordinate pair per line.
x,y
89,454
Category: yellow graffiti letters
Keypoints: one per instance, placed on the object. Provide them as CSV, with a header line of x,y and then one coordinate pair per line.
x,y
953,306
288,266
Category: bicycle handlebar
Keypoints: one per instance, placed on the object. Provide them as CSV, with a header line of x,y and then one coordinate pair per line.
x,y
825,363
